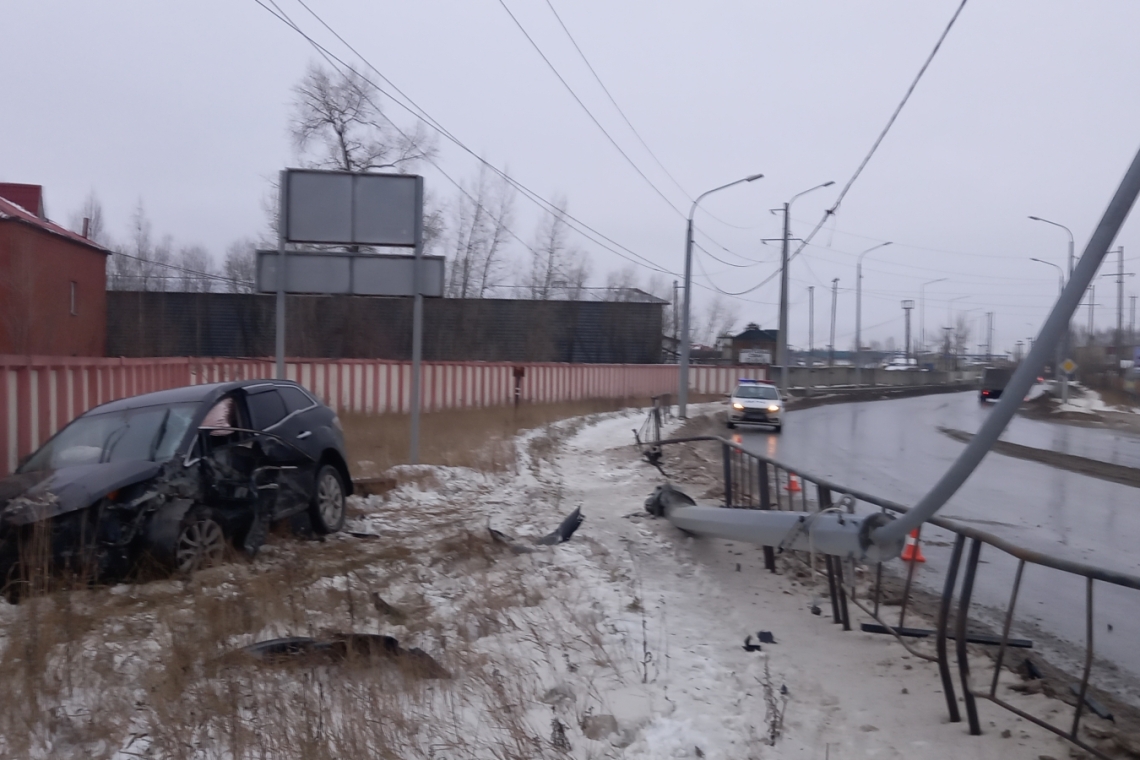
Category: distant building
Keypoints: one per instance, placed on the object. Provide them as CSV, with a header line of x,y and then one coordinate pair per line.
x,y
53,282
754,346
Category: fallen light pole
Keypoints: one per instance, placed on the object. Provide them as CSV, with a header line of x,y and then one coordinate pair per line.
x,y
877,537
835,532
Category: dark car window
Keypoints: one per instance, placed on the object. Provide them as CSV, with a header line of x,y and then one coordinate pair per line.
x,y
265,408
150,433
295,398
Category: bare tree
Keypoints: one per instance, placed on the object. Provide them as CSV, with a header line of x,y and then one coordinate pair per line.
x,y
240,265
92,211
620,284
719,318
961,335
138,264
196,273
558,269
480,227
338,123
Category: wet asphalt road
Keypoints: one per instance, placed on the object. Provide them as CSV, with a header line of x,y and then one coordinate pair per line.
x,y
893,449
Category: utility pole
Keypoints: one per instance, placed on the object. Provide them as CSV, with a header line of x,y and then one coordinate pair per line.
x,y
783,344
1132,321
831,345
1092,313
907,306
811,323
676,334
989,335
1119,306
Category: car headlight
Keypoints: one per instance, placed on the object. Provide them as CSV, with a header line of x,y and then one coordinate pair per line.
x,y
773,408
738,406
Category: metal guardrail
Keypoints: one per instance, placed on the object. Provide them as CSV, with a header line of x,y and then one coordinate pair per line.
x,y
755,481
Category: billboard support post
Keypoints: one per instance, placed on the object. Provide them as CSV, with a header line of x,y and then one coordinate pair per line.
x,y
353,209
281,212
417,328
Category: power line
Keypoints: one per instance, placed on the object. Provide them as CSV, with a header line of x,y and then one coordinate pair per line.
x,y
593,118
418,112
585,108
874,147
625,118
206,275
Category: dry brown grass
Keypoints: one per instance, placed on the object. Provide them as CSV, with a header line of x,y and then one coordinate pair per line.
x,y
476,438
148,669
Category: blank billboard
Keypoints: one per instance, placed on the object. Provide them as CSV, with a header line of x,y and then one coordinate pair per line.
x,y
352,209
358,274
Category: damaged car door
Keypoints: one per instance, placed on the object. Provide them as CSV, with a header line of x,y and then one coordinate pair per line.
x,y
287,468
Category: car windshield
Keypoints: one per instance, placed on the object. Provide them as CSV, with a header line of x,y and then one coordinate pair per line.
x,y
150,433
756,391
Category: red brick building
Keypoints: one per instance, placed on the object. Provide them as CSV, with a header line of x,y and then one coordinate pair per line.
x,y
53,282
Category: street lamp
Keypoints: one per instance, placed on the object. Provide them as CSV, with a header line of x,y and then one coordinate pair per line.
x,y
1060,273
859,311
683,391
1064,346
922,312
783,344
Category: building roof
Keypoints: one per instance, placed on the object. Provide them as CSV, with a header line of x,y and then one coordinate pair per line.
x,y
755,333
12,210
31,197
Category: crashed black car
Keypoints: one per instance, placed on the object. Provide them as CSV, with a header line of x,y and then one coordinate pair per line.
x,y
177,476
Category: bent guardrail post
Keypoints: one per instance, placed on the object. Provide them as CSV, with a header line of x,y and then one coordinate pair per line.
x,y
943,622
960,635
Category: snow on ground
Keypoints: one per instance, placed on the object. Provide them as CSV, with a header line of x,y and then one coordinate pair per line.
x,y
672,614
625,641
1087,402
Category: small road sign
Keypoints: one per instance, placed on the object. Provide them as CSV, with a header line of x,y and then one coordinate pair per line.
x,y
1069,366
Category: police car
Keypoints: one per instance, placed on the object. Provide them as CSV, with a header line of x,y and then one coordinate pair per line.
x,y
756,402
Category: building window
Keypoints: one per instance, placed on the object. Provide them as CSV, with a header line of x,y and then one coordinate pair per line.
x,y
74,310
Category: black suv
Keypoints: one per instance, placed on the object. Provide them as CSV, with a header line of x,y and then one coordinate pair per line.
x,y
175,475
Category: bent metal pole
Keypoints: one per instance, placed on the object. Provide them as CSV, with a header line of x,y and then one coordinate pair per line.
x,y
1044,346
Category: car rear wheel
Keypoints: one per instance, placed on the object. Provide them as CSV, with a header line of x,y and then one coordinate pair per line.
x,y
201,542
328,501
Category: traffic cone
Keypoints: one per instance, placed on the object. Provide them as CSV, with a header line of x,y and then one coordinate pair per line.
x,y
793,483
912,552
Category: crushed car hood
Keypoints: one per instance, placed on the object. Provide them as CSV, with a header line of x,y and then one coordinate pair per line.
x,y
28,497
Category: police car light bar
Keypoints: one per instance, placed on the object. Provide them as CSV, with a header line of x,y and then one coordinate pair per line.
x,y
752,381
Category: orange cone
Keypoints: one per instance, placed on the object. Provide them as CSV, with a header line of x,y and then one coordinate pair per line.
x,y
912,552
794,483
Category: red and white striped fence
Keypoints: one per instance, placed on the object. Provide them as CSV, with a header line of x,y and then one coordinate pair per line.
x,y
40,394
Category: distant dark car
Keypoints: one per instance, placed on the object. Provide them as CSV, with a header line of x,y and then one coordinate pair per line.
x,y
994,380
176,475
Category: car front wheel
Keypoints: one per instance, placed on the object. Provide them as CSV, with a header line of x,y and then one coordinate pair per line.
x,y
201,543
328,501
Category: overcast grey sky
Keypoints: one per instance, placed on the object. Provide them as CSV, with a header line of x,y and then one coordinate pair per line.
x,y
1031,107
